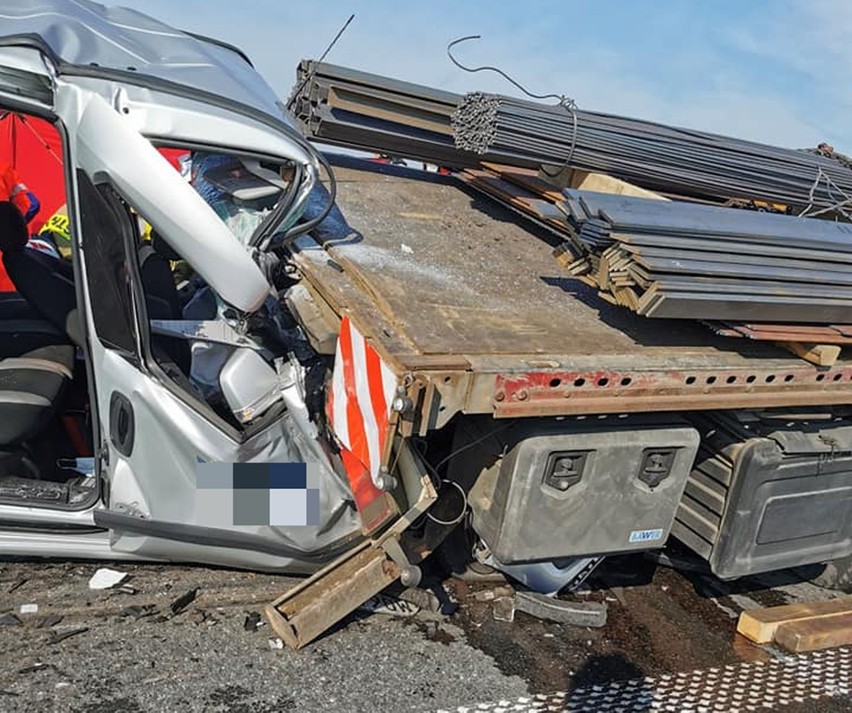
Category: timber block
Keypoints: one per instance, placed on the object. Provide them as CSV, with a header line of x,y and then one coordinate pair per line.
x,y
815,634
760,625
819,354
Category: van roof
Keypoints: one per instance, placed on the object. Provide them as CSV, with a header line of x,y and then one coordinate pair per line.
x,y
87,39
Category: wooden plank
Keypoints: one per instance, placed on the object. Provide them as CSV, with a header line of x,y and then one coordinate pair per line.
x,y
760,625
574,178
601,183
806,329
815,634
819,354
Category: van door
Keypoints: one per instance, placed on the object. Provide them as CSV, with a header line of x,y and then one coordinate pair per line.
x,y
156,435
26,87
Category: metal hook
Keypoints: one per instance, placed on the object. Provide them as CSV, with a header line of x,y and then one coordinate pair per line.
x,y
489,68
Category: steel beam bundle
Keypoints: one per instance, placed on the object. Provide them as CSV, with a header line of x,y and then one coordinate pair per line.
x,y
344,107
678,260
651,155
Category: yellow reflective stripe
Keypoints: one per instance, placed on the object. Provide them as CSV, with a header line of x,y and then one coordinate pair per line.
x,y
59,223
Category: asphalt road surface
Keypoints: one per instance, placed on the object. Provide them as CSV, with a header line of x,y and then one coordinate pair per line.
x,y
183,638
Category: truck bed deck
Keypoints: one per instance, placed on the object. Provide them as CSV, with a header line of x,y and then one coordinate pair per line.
x,y
443,279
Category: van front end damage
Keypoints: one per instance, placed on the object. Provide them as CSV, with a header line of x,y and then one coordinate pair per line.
x,y
179,309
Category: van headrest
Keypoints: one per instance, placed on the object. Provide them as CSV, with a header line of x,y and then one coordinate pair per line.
x,y
162,247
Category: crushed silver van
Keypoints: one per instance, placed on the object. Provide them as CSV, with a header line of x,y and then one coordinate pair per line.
x,y
168,376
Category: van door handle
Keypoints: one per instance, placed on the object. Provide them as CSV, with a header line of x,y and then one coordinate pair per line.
x,y
122,424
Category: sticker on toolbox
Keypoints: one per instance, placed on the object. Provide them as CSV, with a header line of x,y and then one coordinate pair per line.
x,y
646,535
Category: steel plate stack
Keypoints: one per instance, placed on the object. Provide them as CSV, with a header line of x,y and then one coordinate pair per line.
x,y
680,260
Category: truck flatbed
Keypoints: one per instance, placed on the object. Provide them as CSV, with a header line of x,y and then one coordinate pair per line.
x,y
459,290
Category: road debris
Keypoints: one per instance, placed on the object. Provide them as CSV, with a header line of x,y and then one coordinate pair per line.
x,y
591,614
252,621
38,666
65,689
183,601
199,616
276,644
387,604
29,609
425,599
489,595
139,611
106,578
504,609
17,584
49,621
10,620
432,596
58,636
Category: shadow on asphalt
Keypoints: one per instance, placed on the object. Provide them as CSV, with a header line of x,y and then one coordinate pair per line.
x,y
590,686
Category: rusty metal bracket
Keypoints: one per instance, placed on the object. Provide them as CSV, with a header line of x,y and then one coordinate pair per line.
x,y
552,393
303,613
436,397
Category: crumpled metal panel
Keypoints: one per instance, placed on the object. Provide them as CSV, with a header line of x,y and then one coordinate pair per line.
x,y
160,483
83,34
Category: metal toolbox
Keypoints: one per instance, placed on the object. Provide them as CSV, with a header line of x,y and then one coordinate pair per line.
x,y
768,492
581,487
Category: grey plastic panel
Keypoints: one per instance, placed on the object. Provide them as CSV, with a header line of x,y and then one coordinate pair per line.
x,y
787,492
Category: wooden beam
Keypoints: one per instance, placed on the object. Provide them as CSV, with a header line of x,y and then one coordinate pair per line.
x,y
760,625
815,634
819,354
602,183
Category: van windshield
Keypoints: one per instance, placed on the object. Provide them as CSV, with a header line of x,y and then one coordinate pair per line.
x,y
244,193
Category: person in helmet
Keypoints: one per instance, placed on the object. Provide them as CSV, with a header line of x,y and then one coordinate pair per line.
x,y
57,230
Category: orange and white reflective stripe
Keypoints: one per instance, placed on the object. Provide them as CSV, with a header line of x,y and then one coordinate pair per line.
x,y
362,392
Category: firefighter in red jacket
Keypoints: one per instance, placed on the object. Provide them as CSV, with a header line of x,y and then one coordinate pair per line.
x,y
13,189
